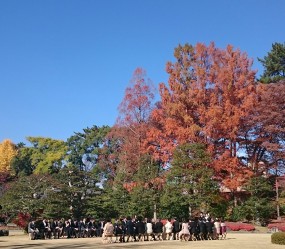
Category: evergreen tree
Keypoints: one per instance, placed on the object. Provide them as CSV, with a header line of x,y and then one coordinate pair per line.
x,y
274,64
190,185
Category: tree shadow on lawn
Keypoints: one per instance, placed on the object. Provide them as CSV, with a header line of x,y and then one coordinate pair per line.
x,y
72,246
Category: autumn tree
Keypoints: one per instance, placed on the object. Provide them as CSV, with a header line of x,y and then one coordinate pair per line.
x,y
210,92
264,130
7,152
274,64
127,138
130,129
264,133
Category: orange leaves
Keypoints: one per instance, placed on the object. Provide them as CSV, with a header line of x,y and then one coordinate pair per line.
x,y
232,173
210,92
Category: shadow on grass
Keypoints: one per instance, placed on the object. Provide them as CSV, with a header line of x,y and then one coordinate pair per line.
x,y
75,245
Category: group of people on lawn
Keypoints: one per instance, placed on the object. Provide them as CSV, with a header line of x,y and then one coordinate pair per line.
x,y
128,229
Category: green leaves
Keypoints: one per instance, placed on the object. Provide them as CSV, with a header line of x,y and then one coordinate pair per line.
x,y
274,64
48,154
190,181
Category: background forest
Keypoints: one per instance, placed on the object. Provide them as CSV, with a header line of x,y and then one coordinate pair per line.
x,y
211,140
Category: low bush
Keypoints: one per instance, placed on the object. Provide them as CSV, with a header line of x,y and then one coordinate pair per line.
x,y
279,226
278,238
237,226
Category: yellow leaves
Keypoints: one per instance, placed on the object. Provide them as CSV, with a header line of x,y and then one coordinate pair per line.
x,y
7,153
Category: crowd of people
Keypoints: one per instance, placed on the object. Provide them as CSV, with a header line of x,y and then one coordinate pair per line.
x,y
128,229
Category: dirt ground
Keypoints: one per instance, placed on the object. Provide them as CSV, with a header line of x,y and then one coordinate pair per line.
x,y
233,241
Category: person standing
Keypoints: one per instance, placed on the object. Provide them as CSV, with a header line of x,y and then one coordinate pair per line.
x,y
217,228
223,229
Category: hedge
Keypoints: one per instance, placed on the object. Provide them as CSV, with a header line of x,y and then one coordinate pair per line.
x,y
237,226
280,226
278,238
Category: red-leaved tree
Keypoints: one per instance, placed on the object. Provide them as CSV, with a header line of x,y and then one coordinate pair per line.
x,y
210,92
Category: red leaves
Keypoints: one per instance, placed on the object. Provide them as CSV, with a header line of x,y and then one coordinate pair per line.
x,y
210,92
237,226
22,219
280,226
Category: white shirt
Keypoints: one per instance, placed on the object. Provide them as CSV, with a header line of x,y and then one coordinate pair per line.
x,y
168,227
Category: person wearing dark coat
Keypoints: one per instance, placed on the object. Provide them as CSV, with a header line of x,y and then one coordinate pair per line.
x,y
158,229
194,229
209,229
140,228
202,229
176,228
130,229
100,226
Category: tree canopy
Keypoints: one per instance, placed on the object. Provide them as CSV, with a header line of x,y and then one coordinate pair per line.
x,y
274,64
213,141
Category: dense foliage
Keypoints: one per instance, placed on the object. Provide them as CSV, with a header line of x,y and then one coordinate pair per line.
x,y
278,238
213,142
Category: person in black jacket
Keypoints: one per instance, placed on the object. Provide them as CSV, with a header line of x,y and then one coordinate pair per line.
x,y
209,228
140,228
194,229
130,229
176,228
158,229
202,229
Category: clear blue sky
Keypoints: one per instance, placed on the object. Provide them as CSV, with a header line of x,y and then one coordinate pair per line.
x,y
65,64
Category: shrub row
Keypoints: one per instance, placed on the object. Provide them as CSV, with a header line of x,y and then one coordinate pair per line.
x,y
278,238
237,226
280,226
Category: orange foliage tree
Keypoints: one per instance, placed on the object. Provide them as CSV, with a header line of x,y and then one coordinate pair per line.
x,y
130,129
210,92
264,130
